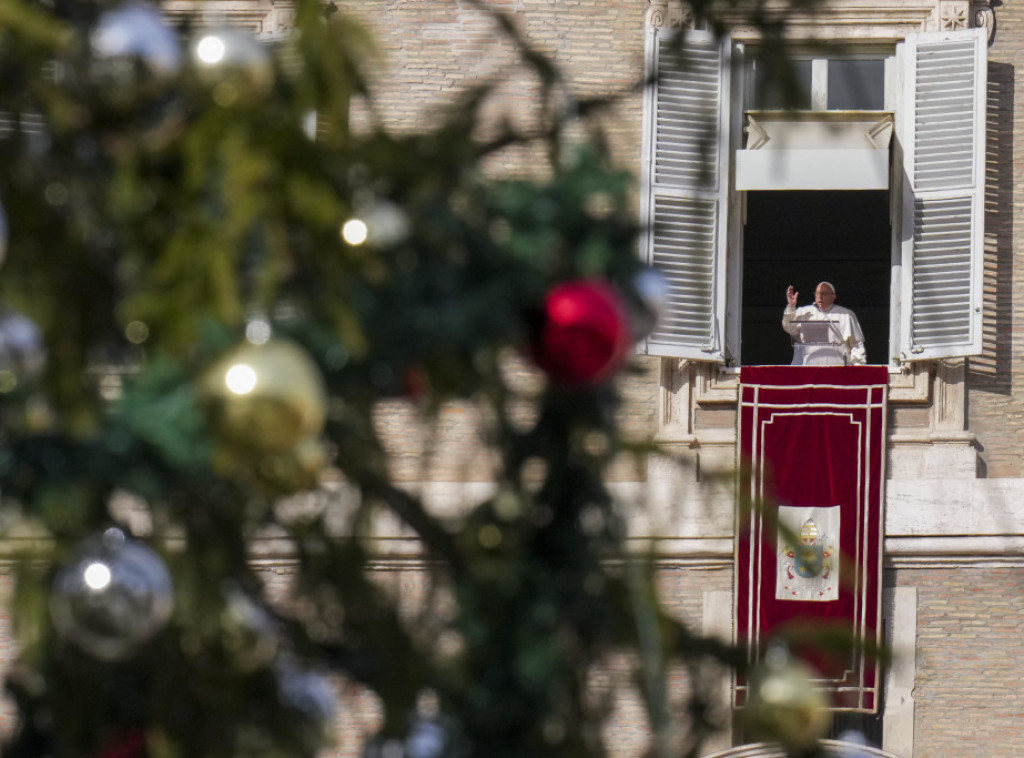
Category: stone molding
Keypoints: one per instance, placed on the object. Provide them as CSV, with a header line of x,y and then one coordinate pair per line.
x,y
983,15
838,19
943,447
828,749
899,607
714,384
256,16
672,15
703,554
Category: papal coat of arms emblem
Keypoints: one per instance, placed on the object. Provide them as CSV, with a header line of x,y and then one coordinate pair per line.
x,y
807,561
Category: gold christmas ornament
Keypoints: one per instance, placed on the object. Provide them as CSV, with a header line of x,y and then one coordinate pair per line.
x,y
785,706
266,398
297,469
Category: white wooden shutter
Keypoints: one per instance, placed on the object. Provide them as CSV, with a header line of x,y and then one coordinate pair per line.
x,y
26,123
943,198
685,186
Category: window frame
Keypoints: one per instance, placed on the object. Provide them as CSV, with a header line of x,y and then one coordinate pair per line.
x,y
907,295
820,62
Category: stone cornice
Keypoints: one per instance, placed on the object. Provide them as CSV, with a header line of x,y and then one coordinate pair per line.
x,y
853,20
257,16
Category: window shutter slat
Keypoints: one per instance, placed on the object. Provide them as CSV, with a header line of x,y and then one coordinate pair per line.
x,y
686,110
24,123
943,137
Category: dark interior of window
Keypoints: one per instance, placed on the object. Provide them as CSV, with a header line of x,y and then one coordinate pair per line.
x,y
802,238
778,84
851,83
856,85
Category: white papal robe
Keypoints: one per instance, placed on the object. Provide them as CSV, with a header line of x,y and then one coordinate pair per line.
x,y
846,335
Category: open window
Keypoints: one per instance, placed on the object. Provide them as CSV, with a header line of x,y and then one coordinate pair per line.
x,y
876,183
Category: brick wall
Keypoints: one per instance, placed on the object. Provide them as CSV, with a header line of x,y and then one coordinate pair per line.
x,y
996,383
452,447
627,731
431,51
970,662
8,714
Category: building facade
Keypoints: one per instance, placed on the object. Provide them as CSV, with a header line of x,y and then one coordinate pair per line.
x,y
953,599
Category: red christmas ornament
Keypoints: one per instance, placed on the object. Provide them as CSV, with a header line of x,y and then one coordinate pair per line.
x,y
127,743
415,383
584,337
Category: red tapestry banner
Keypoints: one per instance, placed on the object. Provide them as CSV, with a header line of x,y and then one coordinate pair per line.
x,y
809,536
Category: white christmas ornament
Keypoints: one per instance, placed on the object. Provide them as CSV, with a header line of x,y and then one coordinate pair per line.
x,y
236,67
379,222
113,596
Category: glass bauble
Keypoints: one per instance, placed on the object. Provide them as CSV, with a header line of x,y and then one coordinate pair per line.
x,y
265,398
3,233
377,222
312,700
584,335
652,292
249,635
113,596
135,55
296,470
428,734
235,67
785,706
426,738
22,350
123,742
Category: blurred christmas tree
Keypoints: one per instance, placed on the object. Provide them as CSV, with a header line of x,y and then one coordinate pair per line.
x,y
210,282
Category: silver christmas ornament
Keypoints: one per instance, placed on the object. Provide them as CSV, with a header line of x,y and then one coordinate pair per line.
x,y
3,233
22,351
248,632
112,597
428,735
426,738
135,55
311,698
235,67
853,744
652,293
